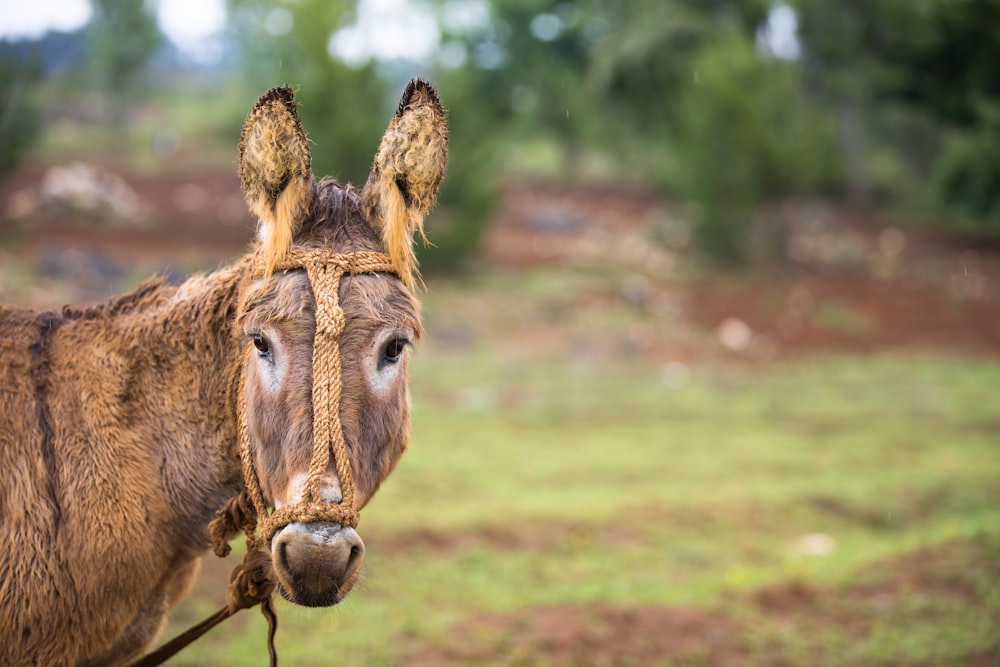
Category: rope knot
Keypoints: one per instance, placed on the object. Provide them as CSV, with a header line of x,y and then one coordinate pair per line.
x,y
251,582
238,514
333,323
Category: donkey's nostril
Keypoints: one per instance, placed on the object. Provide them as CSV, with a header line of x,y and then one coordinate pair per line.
x,y
355,559
280,549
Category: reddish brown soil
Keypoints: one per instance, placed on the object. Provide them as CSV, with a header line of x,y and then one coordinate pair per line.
x,y
604,633
195,209
595,633
850,313
839,282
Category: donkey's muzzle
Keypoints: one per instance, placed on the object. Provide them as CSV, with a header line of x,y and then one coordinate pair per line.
x,y
316,564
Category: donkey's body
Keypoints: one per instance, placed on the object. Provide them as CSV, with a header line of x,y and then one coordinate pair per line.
x,y
120,424
117,445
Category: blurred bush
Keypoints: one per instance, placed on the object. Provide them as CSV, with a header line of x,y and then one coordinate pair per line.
x,y
122,37
967,178
745,133
19,116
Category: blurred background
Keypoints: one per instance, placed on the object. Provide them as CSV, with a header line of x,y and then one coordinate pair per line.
x,y
712,306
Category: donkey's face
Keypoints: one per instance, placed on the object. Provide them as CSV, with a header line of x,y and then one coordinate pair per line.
x,y
382,322
317,562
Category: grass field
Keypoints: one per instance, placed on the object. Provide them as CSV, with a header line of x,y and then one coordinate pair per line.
x,y
559,508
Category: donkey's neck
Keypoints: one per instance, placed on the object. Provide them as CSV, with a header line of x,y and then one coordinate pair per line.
x,y
177,357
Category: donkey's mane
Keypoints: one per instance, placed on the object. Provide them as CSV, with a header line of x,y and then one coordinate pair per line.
x,y
337,221
151,293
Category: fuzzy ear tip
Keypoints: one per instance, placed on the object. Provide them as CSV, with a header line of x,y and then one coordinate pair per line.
x,y
418,90
282,93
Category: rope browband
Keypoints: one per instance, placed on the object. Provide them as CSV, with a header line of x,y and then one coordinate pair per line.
x,y
252,582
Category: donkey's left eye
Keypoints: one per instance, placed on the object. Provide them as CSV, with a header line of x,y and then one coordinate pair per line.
x,y
394,350
260,343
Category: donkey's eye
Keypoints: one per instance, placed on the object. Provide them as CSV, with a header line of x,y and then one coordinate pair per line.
x,y
393,350
260,343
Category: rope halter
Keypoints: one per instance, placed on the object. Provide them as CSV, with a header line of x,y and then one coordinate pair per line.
x,y
324,269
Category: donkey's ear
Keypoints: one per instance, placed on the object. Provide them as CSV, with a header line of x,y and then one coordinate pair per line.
x,y
275,171
407,172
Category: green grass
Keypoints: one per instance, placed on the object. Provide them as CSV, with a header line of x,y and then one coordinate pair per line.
x,y
548,483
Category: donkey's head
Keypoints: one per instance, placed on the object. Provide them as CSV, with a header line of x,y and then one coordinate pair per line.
x,y
328,316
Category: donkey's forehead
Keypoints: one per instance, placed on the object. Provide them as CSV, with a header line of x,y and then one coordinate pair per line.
x,y
287,295
282,296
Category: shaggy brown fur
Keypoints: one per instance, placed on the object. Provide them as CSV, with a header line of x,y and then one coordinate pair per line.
x,y
118,422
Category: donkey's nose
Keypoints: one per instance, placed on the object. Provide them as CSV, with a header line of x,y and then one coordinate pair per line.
x,y
316,564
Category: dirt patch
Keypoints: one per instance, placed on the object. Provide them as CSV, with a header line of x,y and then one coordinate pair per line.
x,y
940,570
116,211
539,536
631,526
804,313
837,281
918,588
898,591
594,633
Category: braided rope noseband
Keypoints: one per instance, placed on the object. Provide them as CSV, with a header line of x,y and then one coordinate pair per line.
x,y
324,269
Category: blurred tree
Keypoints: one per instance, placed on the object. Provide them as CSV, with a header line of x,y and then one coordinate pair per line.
x,y
515,77
852,57
945,56
730,121
19,118
953,74
123,38
530,61
741,137
644,51
935,57
967,177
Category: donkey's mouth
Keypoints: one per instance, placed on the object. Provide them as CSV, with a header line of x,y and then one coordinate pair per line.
x,y
316,564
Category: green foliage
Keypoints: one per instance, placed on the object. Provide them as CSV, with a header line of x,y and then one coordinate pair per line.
x,y
123,37
967,180
643,51
945,52
932,58
745,133
19,118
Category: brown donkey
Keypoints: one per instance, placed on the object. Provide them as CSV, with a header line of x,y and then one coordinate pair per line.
x,y
124,427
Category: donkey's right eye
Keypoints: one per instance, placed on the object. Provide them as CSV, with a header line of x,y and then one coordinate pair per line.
x,y
261,344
